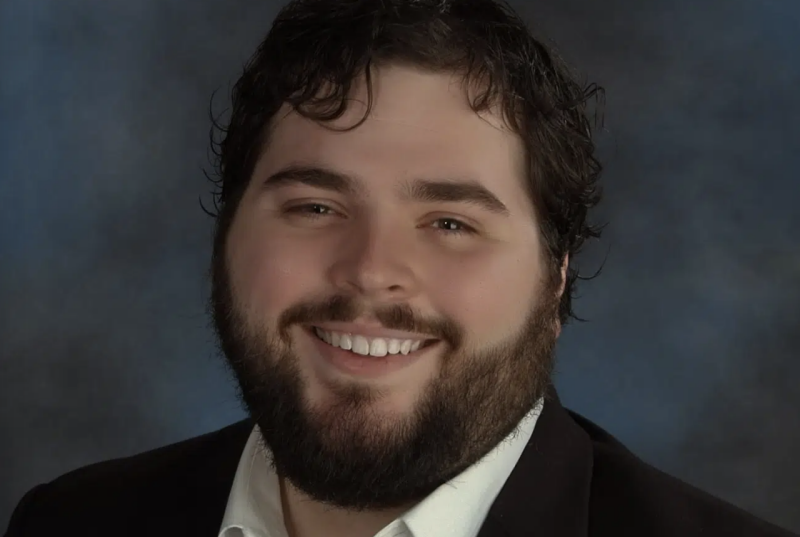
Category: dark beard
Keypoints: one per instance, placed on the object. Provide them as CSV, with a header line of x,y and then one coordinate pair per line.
x,y
346,456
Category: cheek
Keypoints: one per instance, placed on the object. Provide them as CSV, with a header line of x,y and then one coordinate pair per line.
x,y
269,273
489,295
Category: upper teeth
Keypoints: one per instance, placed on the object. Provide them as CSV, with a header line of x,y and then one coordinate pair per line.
x,y
373,346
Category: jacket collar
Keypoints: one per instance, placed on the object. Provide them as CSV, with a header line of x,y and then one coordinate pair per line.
x,y
199,502
548,491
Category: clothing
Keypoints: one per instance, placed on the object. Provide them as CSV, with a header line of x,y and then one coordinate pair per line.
x,y
456,509
572,480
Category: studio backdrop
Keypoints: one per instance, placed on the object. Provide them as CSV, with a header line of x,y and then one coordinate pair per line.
x,y
691,349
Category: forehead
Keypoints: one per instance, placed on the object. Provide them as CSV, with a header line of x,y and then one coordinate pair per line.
x,y
420,125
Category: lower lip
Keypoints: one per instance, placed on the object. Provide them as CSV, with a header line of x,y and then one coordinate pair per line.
x,y
359,365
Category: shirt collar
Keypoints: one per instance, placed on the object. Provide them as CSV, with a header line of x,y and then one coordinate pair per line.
x,y
466,498
254,505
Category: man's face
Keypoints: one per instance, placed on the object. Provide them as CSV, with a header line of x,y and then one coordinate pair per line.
x,y
411,241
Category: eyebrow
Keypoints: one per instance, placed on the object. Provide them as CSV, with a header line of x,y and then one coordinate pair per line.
x,y
312,176
420,190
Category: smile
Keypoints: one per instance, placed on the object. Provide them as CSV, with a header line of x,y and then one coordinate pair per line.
x,y
370,346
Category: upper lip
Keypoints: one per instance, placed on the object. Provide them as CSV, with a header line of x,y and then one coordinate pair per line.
x,y
370,331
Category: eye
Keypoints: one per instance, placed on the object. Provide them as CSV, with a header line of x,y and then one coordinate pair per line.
x,y
453,226
310,210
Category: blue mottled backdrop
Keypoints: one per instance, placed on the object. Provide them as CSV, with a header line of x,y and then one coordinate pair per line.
x,y
691,354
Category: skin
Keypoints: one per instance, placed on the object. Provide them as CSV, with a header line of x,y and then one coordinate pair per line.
x,y
454,263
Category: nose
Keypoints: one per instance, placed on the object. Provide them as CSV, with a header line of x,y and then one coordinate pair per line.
x,y
376,263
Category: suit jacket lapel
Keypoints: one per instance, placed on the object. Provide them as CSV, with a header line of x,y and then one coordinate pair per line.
x,y
197,497
548,492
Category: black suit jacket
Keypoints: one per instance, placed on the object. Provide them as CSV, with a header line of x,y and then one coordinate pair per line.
x,y
572,480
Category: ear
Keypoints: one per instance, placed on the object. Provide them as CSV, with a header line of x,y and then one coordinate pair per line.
x,y
563,283
561,287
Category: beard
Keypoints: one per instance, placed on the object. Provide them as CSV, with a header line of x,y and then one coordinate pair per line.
x,y
344,453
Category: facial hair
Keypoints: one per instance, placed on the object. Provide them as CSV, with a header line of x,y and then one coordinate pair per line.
x,y
346,455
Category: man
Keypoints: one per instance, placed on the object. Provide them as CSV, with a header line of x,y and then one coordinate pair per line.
x,y
403,186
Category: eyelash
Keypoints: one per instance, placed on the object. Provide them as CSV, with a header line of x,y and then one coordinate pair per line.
x,y
307,211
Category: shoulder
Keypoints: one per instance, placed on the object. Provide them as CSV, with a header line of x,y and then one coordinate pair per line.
x,y
630,497
154,485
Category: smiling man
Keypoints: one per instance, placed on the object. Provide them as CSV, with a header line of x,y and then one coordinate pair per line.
x,y
404,186
374,289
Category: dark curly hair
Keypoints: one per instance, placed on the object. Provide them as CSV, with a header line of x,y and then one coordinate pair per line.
x,y
317,49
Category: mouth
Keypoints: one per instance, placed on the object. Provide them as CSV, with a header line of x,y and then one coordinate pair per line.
x,y
369,345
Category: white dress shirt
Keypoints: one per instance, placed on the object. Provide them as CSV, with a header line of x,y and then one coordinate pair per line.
x,y
455,509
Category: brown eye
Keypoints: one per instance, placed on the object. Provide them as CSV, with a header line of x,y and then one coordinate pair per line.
x,y
453,226
311,210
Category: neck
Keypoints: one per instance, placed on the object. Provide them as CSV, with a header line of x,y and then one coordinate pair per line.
x,y
305,517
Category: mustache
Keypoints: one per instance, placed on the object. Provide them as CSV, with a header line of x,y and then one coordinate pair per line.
x,y
342,308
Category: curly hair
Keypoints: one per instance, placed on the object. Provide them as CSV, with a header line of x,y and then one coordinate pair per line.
x,y
317,49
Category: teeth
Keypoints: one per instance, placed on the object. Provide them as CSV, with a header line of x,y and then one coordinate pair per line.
x,y
378,347
368,346
360,345
345,342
